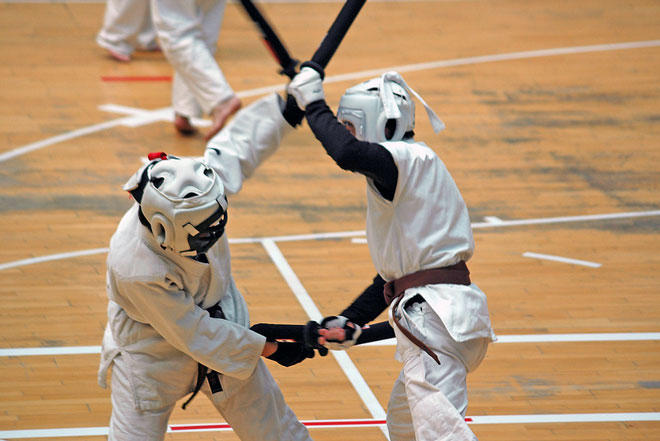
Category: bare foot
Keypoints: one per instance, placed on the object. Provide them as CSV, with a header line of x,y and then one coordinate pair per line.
x,y
221,114
119,56
183,126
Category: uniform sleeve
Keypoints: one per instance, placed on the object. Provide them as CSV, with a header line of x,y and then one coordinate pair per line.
x,y
368,305
250,138
367,158
219,344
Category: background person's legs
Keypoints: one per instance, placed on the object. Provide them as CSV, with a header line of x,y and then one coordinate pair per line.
x,y
126,23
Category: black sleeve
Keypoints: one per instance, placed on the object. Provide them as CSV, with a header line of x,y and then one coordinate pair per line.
x,y
368,305
376,332
367,158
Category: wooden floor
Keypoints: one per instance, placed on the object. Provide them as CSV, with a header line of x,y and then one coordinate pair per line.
x,y
556,153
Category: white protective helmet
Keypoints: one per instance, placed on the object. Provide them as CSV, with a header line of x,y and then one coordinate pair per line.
x,y
182,201
382,102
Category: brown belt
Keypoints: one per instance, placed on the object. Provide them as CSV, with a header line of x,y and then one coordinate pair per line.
x,y
457,274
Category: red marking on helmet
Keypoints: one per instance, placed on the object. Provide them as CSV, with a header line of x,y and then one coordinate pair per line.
x,y
157,155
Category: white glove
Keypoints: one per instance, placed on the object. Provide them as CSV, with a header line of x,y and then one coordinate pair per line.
x,y
352,332
306,87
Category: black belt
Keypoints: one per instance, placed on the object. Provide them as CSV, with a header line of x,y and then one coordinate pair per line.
x,y
203,372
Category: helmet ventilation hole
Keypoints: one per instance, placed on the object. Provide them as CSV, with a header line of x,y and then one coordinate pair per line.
x,y
157,182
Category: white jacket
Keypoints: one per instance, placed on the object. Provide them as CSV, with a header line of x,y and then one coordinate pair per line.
x,y
156,313
426,226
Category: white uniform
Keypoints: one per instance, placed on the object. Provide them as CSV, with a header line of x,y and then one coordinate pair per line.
x,y
425,226
158,329
188,32
127,26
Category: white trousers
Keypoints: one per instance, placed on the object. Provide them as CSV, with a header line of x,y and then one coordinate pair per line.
x,y
188,32
428,401
256,411
127,25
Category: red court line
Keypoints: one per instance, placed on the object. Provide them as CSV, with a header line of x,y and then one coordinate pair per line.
x,y
344,423
201,427
136,78
326,423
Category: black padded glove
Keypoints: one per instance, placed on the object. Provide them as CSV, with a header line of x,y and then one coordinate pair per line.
x,y
311,337
290,353
291,112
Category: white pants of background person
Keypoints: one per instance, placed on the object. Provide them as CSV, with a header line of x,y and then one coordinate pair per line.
x,y
127,26
188,32
256,413
428,399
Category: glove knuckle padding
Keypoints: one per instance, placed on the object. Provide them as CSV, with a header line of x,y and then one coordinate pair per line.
x,y
351,332
306,87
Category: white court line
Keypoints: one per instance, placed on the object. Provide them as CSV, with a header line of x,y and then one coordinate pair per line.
x,y
561,259
54,433
521,338
350,370
60,138
553,338
337,424
562,219
61,350
354,76
494,58
296,237
142,117
476,225
51,257
346,234
292,280
556,338
565,418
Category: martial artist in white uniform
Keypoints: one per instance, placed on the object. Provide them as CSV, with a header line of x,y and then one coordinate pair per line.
x,y
416,221
173,304
127,26
188,33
